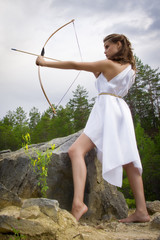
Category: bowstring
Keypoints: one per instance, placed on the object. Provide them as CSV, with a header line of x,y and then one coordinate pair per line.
x,y
77,41
76,36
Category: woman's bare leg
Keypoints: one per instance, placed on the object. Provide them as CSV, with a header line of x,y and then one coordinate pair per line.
x,y
77,153
136,183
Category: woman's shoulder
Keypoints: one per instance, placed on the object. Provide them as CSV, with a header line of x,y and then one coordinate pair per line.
x,y
108,62
114,69
110,68
113,65
116,65
108,65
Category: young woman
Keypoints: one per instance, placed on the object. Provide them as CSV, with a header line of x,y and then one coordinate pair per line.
x,y
109,127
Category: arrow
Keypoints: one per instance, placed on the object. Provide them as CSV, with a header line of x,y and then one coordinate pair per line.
x,y
34,54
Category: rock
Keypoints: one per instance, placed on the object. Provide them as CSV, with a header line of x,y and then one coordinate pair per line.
x,y
8,223
65,219
49,207
104,201
5,151
153,207
10,211
32,212
22,181
155,223
8,198
37,217
31,221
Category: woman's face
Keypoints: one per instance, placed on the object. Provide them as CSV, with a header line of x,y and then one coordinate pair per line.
x,y
111,48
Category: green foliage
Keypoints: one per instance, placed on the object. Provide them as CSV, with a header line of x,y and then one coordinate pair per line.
x,y
79,108
149,151
150,155
40,164
61,125
35,117
17,235
12,127
131,203
126,190
144,97
46,126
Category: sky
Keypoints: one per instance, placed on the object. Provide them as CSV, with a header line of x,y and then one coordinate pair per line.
x,y
27,24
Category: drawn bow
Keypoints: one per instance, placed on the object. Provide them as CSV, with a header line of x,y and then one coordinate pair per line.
x,y
42,54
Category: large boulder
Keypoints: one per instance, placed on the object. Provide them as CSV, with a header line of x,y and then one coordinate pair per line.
x,y
8,198
16,175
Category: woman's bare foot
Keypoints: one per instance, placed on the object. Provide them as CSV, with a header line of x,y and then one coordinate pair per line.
x,y
79,210
136,217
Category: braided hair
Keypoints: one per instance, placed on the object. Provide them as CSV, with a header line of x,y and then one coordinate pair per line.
x,y
125,54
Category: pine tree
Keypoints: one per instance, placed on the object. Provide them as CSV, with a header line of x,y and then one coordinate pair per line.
x,y
143,97
79,108
34,119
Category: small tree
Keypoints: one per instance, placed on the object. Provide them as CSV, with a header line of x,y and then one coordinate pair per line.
x,y
79,108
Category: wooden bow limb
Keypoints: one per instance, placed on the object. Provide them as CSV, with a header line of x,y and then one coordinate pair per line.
x,y
33,54
53,109
42,54
57,31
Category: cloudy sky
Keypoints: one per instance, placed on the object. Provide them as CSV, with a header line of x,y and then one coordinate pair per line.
x,y
26,25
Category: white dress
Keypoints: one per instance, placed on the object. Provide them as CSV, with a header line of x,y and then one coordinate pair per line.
x,y
110,127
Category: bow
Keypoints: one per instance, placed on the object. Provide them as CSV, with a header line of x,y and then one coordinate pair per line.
x,y
42,54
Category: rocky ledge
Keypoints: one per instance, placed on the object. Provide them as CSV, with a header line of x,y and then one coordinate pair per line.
x,y
42,219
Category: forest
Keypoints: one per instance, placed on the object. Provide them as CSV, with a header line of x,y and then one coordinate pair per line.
x,y
144,101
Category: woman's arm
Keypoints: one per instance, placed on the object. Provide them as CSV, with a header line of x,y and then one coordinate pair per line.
x,y
94,67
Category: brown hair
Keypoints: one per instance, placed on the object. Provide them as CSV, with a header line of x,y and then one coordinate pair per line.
x,y
125,54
